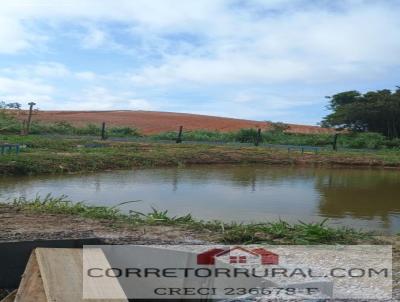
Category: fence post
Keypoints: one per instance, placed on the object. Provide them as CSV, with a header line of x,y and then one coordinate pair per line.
x,y
23,127
103,131
334,144
179,138
28,123
258,137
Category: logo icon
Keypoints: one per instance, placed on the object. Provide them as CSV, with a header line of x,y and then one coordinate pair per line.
x,y
238,255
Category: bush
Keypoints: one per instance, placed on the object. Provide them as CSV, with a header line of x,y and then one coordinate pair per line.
x,y
124,131
56,128
89,129
247,136
62,128
8,123
197,135
394,143
363,140
278,127
283,138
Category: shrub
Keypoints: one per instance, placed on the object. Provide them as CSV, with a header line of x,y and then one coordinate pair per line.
x,y
246,136
124,131
394,143
89,129
8,123
367,140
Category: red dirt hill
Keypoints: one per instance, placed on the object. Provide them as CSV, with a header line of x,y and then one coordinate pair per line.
x,y
150,122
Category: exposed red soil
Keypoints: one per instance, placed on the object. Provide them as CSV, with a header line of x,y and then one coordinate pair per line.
x,y
150,122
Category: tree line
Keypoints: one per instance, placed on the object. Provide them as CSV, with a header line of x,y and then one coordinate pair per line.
x,y
374,111
14,105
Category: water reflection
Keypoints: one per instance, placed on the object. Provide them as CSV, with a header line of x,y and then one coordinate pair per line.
x,y
353,197
360,194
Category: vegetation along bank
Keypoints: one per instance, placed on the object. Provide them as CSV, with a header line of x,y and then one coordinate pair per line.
x,y
41,155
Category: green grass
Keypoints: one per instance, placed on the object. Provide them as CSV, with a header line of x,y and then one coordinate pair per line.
x,y
345,141
230,233
44,155
10,125
275,135
66,128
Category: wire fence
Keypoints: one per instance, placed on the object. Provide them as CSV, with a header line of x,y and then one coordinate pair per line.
x,y
149,139
180,139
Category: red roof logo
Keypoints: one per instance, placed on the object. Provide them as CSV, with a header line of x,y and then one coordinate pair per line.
x,y
238,255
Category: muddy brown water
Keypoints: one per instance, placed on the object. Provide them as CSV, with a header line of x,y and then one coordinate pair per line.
x,y
360,198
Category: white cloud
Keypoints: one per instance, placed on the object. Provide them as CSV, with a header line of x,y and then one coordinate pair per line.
x,y
13,86
86,75
212,44
294,38
100,98
13,37
24,91
39,70
43,71
309,45
94,38
230,69
50,69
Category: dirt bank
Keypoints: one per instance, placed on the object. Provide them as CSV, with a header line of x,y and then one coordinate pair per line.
x,y
63,156
17,225
150,122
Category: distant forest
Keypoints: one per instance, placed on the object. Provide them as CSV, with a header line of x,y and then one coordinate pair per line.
x,y
374,111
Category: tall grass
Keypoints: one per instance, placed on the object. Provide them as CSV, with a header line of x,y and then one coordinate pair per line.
x,y
66,128
345,140
10,125
279,232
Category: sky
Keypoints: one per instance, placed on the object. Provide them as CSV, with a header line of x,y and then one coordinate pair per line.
x,y
255,59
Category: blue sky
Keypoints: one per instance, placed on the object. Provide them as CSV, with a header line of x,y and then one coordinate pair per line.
x,y
264,60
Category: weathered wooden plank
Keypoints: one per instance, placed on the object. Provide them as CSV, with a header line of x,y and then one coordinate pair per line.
x,y
55,275
31,287
62,270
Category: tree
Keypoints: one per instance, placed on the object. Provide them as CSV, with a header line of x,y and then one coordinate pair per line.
x,y
15,105
374,111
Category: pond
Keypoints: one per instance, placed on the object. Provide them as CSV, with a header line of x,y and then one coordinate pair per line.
x,y
359,198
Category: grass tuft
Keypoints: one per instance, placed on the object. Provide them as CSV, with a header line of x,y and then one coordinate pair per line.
x,y
280,232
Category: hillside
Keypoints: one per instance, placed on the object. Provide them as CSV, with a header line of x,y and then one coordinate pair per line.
x,y
150,122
